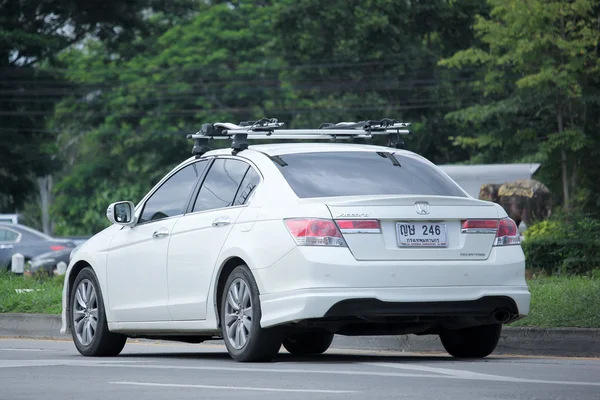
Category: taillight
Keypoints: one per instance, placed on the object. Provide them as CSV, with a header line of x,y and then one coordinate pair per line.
x,y
479,226
57,248
508,233
505,229
315,232
359,225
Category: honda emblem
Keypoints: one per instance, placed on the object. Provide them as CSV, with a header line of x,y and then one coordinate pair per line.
x,y
422,207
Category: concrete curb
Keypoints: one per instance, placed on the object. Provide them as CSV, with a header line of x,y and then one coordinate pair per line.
x,y
560,342
31,325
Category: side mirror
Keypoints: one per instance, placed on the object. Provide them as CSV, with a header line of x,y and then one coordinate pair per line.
x,y
120,213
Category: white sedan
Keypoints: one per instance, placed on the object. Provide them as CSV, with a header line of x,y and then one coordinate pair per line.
x,y
289,244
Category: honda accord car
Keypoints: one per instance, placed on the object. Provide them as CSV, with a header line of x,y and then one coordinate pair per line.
x,y
290,244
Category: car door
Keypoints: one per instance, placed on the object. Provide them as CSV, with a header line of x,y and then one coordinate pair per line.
x,y
198,237
137,257
8,240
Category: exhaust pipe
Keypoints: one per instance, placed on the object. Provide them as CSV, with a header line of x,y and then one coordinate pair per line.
x,y
501,315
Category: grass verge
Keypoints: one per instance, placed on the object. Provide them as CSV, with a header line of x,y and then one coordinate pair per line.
x,y
563,302
44,299
555,301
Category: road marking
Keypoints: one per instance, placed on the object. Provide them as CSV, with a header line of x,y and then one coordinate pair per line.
x,y
439,373
16,349
448,373
62,362
275,370
257,389
425,371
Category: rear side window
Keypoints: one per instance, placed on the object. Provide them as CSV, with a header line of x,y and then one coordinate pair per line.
x,y
221,184
251,180
356,173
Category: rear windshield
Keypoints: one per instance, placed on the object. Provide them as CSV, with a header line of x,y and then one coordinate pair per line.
x,y
356,173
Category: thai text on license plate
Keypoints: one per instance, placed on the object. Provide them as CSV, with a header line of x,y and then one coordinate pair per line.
x,y
421,234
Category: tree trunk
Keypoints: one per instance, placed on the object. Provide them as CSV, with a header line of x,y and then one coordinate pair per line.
x,y
45,188
563,160
574,177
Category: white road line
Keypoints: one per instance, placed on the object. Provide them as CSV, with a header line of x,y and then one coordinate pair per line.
x,y
274,370
257,389
17,349
448,373
60,362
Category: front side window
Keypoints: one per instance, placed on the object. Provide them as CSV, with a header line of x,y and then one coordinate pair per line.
x,y
221,184
6,235
357,173
172,197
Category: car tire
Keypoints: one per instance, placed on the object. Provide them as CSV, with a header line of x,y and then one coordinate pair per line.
x,y
89,312
245,339
475,342
308,343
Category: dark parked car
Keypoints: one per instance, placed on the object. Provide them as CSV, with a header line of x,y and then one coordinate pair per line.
x,y
48,262
15,238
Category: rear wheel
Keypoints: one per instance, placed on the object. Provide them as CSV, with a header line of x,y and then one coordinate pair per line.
x,y
88,319
245,339
308,343
474,342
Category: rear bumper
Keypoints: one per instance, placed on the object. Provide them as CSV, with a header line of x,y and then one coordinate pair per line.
x,y
310,304
307,267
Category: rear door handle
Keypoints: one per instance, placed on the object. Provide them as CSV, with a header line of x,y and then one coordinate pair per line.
x,y
221,221
6,246
160,233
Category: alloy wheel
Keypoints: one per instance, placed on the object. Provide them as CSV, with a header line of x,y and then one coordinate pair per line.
x,y
85,312
238,314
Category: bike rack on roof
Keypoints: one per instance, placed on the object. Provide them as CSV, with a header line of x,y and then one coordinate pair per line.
x,y
267,128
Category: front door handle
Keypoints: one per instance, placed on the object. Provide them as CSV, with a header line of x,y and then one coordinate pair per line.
x,y
160,233
221,221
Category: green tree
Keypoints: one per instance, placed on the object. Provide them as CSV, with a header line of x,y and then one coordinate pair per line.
x,y
126,125
367,60
539,69
32,35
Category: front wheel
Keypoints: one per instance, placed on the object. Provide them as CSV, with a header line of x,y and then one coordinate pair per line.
x,y
244,338
88,319
308,343
474,342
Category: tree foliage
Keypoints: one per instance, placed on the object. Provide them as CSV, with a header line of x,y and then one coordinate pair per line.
x,y
32,35
540,70
146,73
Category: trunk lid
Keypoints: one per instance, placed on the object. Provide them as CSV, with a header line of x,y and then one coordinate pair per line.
x,y
415,227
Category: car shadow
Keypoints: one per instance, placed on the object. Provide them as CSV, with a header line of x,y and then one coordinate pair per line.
x,y
327,358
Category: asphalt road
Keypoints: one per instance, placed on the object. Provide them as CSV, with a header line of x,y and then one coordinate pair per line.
x,y
44,369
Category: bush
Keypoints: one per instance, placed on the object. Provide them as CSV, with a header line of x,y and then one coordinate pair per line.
x,y
567,244
563,256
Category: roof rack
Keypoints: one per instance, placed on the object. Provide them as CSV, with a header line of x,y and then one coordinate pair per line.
x,y
270,128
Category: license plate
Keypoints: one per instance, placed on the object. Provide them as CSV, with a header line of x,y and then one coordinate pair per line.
x,y
421,234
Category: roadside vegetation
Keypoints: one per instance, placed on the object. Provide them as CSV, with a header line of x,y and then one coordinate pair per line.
x,y
20,294
560,302
565,244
